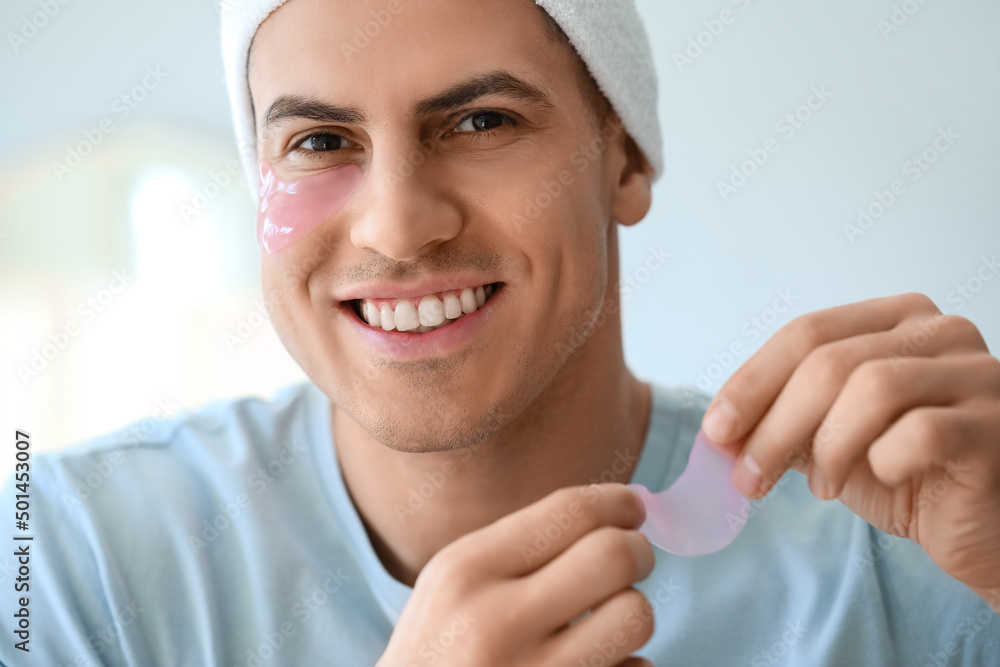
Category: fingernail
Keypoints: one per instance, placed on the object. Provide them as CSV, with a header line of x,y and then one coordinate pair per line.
x,y
747,476
820,488
721,421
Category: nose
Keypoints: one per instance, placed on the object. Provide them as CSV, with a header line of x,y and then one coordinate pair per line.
x,y
408,210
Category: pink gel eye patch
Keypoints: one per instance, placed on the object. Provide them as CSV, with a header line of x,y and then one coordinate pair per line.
x,y
289,211
702,512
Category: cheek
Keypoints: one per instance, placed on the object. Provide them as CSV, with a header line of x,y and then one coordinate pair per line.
x,y
559,225
295,310
289,211
571,238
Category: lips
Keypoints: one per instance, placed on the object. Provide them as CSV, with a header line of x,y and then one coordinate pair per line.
x,y
426,313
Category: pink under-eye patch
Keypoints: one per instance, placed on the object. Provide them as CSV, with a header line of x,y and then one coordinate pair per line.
x,y
702,512
286,212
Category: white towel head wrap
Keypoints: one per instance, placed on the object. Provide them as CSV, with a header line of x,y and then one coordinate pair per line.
x,y
608,34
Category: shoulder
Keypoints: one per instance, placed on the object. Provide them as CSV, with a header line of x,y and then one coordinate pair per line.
x,y
112,520
183,447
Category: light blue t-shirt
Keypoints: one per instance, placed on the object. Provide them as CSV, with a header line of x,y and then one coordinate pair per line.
x,y
227,537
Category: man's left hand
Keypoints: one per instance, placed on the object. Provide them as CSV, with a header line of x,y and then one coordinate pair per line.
x,y
888,406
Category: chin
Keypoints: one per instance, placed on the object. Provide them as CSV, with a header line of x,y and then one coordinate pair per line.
x,y
402,433
437,423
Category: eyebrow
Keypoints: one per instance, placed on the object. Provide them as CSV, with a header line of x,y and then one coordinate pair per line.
x,y
499,83
288,107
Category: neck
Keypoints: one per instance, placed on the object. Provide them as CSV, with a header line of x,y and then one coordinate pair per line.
x,y
587,426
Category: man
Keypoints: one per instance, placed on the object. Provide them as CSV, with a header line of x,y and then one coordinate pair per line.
x,y
426,499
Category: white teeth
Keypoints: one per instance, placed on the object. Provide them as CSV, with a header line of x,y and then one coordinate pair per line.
x,y
406,316
372,314
430,311
388,319
452,307
468,299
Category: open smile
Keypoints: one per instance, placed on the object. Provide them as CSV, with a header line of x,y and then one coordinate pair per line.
x,y
423,314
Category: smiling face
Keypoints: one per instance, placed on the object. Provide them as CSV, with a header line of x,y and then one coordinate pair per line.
x,y
468,233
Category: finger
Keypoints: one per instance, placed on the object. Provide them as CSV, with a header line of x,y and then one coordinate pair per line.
x,y
792,426
783,437
597,566
526,540
614,630
876,394
637,662
747,395
933,437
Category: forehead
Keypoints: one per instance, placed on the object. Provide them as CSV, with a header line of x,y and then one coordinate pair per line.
x,y
357,51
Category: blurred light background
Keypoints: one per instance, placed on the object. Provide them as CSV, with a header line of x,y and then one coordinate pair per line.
x,y
129,284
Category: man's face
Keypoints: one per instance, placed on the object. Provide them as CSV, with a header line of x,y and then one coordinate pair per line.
x,y
501,184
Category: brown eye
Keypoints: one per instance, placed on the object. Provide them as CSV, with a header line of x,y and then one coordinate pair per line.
x,y
482,121
322,143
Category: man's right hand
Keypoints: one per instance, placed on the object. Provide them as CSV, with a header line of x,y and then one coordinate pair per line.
x,y
505,594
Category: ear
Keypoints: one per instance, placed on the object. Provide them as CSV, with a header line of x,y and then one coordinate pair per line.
x,y
632,196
